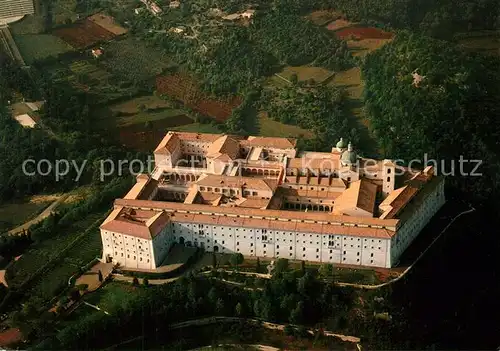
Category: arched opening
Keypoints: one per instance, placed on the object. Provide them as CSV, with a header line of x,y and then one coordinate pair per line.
x,y
189,243
216,248
261,172
181,240
309,207
315,207
321,208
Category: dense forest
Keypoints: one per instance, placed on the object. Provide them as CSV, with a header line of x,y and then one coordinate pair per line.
x,y
67,133
440,19
320,109
296,41
451,114
290,297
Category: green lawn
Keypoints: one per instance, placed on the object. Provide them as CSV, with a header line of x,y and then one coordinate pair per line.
x,y
113,295
39,46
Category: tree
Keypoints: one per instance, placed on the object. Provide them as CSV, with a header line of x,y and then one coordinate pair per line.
x,y
289,330
297,314
135,281
100,275
238,309
212,295
257,265
236,259
75,295
294,78
281,266
326,271
219,306
303,267
214,260
145,282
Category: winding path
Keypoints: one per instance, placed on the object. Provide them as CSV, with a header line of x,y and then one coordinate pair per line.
x,y
47,212
268,325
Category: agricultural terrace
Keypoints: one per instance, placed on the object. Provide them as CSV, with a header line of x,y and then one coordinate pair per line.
x,y
362,33
182,88
35,47
83,34
132,60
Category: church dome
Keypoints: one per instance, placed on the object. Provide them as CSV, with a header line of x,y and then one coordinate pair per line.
x,y
349,157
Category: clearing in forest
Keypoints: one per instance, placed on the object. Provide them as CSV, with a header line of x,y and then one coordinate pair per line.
x,y
305,73
271,128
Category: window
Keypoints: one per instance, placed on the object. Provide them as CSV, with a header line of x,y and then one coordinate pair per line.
x,y
277,246
317,250
389,171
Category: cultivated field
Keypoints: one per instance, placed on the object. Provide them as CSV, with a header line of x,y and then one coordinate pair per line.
x,y
133,106
184,89
305,73
107,23
269,127
339,24
365,46
35,47
83,34
132,60
363,33
139,136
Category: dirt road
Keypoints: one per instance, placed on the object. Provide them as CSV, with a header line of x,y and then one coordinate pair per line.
x,y
40,217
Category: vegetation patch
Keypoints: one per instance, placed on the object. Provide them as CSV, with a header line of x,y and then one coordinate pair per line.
x,y
308,74
131,60
35,47
295,41
272,128
14,214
